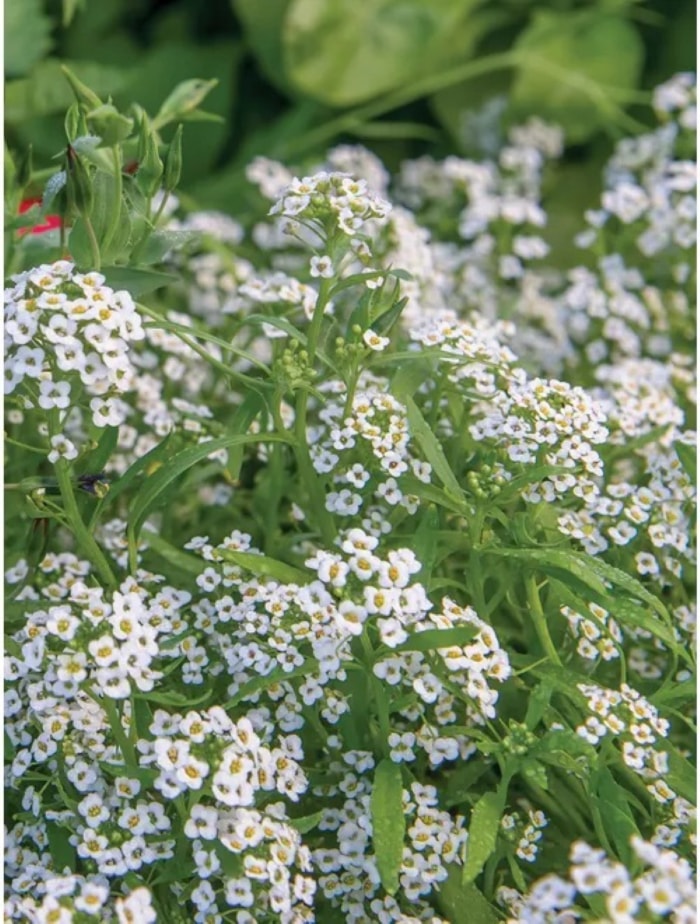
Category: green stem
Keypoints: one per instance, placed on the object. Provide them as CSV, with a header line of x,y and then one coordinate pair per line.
x,y
317,319
539,619
94,246
116,216
85,539
317,496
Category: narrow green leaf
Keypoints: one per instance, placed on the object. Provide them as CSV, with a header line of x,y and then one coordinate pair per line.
x,y
184,561
264,681
96,460
307,823
462,903
688,456
262,566
156,484
433,639
483,833
153,456
431,447
388,823
136,281
615,812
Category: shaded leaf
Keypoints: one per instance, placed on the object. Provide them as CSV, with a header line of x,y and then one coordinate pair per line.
x,y
388,823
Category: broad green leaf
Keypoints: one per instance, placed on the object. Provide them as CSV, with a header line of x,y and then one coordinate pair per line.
x,y
344,53
568,63
27,35
388,823
155,485
61,850
483,832
79,246
262,566
462,903
431,447
263,24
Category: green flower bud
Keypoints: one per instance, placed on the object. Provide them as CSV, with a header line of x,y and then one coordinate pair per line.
x,y
74,122
82,92
150,169
110,124
173,162
78,184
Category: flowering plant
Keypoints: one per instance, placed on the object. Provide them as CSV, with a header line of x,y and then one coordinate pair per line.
x,y
351,556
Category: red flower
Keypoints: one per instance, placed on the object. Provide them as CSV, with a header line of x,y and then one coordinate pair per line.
x,y
52,221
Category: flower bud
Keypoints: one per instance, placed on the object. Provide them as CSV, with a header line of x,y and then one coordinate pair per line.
x,y
82,92
78,184
173,162
150,166
110,124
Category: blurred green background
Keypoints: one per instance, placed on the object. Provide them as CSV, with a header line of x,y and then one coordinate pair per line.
x,y
404,77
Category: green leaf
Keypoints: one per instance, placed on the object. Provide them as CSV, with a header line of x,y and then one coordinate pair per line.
x,y
153,457
688,456
70,8
136,281
62,852
388,823
183,561
96,460
27,35
263,24
483,832
345,52
155,485
161,242
570,63
682,774
307,823
264,681
572,568
79,245
431,447
615,813
46,90
463,903
262,566
433,639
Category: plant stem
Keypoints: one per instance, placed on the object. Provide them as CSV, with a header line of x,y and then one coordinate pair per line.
x,y
85,539
539,619
116,217
94,246
317,319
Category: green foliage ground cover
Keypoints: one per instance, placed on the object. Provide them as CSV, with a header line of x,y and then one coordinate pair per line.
x,y
350,487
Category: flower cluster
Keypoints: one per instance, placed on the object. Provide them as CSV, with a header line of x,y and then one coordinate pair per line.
x,y
68,336
664,887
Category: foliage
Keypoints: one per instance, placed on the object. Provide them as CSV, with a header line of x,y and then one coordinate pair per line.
x,y
350,545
